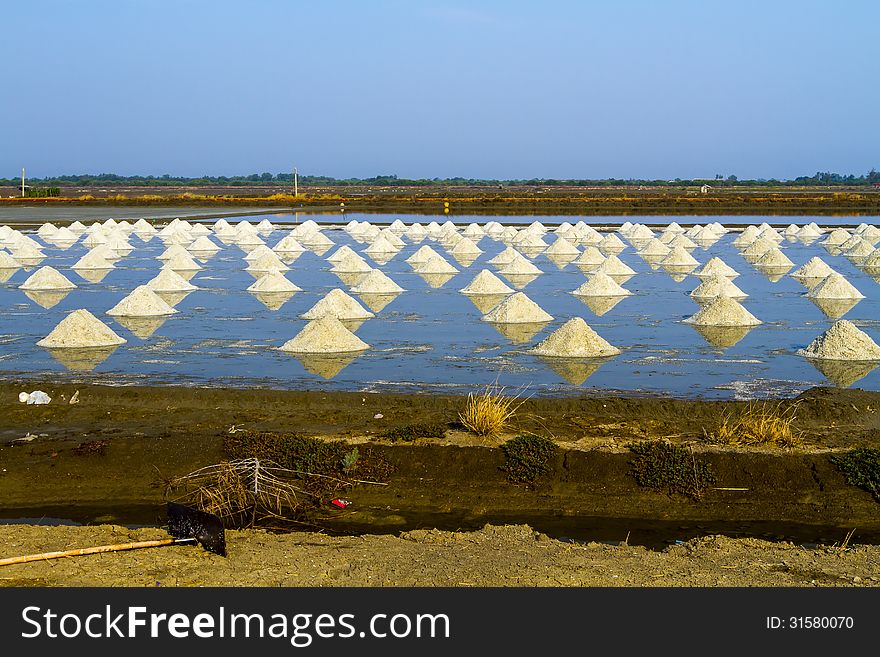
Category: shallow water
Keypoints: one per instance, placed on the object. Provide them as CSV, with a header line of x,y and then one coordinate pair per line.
x,y
432,338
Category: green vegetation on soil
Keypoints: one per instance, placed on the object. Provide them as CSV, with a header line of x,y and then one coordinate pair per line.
x,y
527,458
861,467
669,468
411,432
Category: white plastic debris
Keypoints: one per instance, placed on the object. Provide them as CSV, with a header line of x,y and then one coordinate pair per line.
x,y
36,397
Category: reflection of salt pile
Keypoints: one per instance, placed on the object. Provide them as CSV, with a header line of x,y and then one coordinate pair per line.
x,y
273,281
517,309
601,284
376,282
717,285
170,281
843,341
835,286
575,339
486,283
47,278
81,329
142,302
338,304
723,311
324,335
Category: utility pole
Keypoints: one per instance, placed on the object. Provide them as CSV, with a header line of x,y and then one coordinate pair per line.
x,y
295,182
22,182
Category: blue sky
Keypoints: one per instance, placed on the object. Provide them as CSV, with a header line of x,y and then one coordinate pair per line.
x,y
422,89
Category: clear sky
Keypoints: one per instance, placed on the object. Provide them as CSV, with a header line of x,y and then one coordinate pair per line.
x,y
490,89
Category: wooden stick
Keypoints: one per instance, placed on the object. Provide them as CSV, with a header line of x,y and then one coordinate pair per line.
x,y
118,547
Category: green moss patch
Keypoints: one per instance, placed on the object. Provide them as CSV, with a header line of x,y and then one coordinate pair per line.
x,y
668,468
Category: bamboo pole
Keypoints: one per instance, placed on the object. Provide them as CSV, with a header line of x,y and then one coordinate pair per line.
x,y
117,547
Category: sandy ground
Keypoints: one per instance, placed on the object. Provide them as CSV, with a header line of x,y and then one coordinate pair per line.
x,y
493,556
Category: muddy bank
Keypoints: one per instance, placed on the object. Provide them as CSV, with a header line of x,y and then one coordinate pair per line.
x,y
493,556
106,459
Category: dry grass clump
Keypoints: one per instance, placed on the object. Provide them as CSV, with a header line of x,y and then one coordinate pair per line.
x,y
760,424
490,412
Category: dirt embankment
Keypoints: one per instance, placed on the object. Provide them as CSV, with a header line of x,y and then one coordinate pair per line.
x,y
493,556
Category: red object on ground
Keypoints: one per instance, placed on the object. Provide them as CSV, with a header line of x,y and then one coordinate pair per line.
x,y
341,503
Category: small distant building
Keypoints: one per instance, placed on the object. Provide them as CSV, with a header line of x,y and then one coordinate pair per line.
x,y
705,189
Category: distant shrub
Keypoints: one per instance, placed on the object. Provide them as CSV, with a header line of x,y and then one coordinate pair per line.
x,y
861,467
411,432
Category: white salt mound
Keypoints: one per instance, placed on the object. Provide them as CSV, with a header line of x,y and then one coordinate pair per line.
x,y
80,330
601,284
723,311
92,260
614,266
376,282
519,265
273,281
517,309
338,304
142,302
169,280
843,341
435,265
679,257
774,258
717,285
815,267
486,283
716,266
575,339
181,263
47,278
835,286
326,335
7,261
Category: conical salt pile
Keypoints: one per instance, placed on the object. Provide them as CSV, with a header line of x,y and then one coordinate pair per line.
x,y
861,250
601,284
338,304
815,267
7,261
575,339
78,227
79,330
562,247
47,278
203,244
808,232
684,242
518,266
614,266
267,262
381,245
835,286
774,258
339,254
517,309
92,260
182,263
759,247
288,244
716,266
142,302
654,249
486,283
351,264
723,311
259,252
423,254
590,257
872,260
273,281
679,257
47,230
376,283
173,251
717,285
843,341
435,265
836,238
507,256
749,235
326,335
169,280
465,247
611,243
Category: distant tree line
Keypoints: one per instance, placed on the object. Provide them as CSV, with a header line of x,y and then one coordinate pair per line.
x,y
821,178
